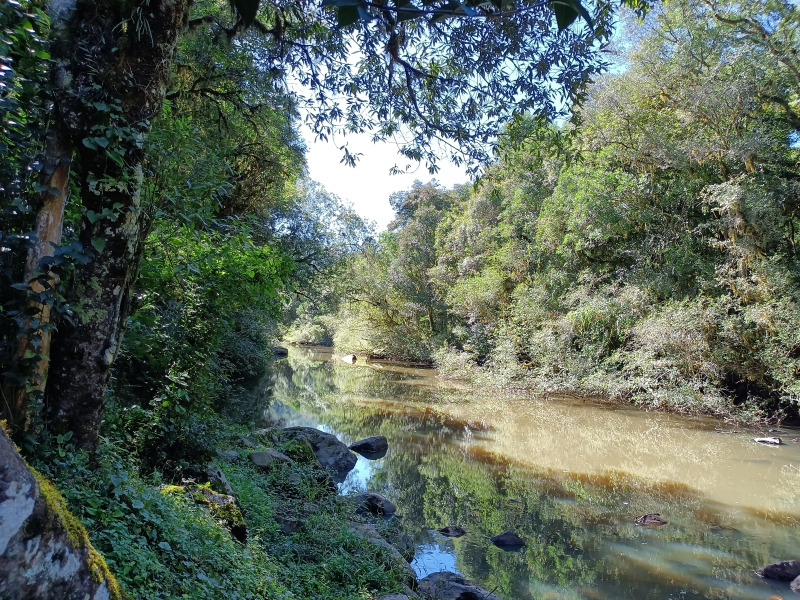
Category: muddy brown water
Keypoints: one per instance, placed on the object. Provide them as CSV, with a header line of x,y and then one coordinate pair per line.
x,y
569,475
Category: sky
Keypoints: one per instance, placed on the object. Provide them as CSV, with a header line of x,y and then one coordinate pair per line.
x,y
368,185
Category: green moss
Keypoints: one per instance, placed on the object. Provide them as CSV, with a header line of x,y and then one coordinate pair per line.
x,y
77,534
228,513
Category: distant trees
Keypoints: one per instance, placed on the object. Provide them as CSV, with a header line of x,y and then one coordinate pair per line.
x,y
655,260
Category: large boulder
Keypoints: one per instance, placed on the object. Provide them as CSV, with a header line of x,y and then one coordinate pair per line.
x,y
444,585
373,503
402,541
332,454
45,553
785,570
372,447
795,585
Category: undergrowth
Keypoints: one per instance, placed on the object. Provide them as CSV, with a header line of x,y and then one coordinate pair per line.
x,y
162,545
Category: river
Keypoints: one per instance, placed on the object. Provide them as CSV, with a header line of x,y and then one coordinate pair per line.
x,y
567,474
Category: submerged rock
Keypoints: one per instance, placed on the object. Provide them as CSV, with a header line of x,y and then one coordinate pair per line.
x,y
651,520
451,586
508,540
372,447
795,585
785,570
373,503
452,531
332,454
769,441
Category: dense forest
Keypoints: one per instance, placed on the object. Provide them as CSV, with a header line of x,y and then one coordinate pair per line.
x,y
646,251
630,232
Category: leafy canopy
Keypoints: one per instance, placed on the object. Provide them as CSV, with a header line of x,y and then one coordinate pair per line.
x,y
438,78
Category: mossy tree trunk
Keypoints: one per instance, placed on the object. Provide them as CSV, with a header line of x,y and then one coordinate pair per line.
x,y
113,61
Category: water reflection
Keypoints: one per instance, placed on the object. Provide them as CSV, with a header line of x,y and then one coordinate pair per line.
x,y
569,476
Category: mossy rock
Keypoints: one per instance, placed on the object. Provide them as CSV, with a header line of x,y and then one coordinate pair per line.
x,y
223,508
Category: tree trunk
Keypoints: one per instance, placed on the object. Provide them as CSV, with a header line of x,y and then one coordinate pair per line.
x,y
48,229
114,61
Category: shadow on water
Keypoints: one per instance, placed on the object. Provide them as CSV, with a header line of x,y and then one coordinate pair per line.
x,y
569,476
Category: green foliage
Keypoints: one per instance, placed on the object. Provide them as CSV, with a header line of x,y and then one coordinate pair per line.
x,y
24,102
163,541
159,544
647,252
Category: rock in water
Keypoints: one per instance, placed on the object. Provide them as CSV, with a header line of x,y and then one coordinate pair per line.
x,y
769,441
372,447
795,585
373,503
786,570
350,358
452,531
651,520
508,540
280,352
332,454
451,586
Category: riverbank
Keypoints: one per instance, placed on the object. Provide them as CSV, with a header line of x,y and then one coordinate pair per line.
x,y
602,386
236,530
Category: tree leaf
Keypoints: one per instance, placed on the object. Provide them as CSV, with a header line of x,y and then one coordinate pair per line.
x,y
98,244
567,11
